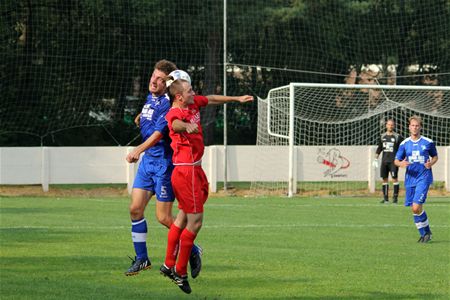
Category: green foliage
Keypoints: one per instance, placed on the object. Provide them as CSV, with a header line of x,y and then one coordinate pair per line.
x,y
255,248
65,62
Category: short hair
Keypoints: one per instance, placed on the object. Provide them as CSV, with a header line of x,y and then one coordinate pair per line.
x,y
165,66
390,120
416,118
175,87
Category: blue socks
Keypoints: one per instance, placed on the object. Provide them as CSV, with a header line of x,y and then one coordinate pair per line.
x,y
421,222
139,237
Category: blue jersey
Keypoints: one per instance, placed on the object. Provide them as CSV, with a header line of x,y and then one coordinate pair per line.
x,y
153,118
417,153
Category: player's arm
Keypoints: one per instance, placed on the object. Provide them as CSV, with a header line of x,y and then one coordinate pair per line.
x,y
400,157
379,148
431,162
401,163
137,120
179,126
133,156
219,99
434,157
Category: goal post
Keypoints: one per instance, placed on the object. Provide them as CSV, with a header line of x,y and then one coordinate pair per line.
x,y
292,189
317,115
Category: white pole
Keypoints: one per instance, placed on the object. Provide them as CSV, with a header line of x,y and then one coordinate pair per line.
x,y
371,169
447,169
130,172
45,168
369,86
225,129
291,141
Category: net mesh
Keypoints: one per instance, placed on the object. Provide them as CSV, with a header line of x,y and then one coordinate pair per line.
x,y
344,116
71,64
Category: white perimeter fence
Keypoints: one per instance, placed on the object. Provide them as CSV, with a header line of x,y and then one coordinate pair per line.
x,y
103,165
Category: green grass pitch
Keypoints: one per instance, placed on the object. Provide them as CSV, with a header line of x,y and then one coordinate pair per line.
x,y
255,248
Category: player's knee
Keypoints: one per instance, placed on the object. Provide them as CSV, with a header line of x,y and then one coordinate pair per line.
x,y
416,209
165,219
136,211
196,226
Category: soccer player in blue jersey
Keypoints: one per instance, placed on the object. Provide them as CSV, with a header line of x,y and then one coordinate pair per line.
x,y
417,154
155,170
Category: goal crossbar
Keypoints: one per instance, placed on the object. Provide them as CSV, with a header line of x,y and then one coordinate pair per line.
x,y
292,180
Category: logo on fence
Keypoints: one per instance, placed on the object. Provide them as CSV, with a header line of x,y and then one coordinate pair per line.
x,y
335,162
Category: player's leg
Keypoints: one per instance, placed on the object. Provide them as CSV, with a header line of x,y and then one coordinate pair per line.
x,y
396,184
172,250
165,197
164,213
139,201
164,193
196,253
173,236
187,237
173,239
419,214
384,173
188,183
143,189
194,212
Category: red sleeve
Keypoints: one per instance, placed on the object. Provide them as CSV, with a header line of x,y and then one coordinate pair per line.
x,y
200,100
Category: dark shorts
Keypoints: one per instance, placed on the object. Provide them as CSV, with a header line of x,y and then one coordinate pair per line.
x,y
388,168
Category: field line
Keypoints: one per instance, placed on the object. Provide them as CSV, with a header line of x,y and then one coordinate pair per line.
x,y
223,226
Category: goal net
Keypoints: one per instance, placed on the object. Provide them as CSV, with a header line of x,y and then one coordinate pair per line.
x,y
306,129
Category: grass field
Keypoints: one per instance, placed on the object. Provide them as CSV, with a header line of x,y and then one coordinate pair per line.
x,y
255,248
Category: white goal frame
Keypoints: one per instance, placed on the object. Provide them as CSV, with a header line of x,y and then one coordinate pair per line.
x,y
292,180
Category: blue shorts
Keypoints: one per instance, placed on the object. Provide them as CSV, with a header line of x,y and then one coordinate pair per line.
x,y
154,175
416,194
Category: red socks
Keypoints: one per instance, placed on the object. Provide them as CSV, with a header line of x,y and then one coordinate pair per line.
x,y
173,239
179,242
186,242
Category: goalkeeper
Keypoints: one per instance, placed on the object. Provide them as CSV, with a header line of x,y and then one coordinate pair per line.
x,y
388,144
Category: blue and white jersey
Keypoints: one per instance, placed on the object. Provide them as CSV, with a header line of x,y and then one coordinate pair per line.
x,y
153,118
417,153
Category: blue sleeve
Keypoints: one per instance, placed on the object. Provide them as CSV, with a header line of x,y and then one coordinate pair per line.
x,y
433,150
400,155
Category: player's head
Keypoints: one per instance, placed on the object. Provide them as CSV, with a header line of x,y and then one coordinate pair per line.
x,y
179,88
415,124
390,125
157,84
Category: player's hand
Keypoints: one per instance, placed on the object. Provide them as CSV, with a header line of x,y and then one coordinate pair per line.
x,y
137,120
245,98
428,164
133,156
191,128
375,163
404,163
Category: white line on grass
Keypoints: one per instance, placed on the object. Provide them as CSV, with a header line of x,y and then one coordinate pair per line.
x,y
221,226
319,205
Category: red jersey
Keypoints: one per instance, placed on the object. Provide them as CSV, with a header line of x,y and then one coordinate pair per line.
x,y
187,148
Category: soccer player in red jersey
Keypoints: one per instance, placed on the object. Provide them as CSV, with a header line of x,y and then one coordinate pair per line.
x,y
189,181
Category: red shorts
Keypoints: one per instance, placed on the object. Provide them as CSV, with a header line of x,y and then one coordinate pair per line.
x,y
190,186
